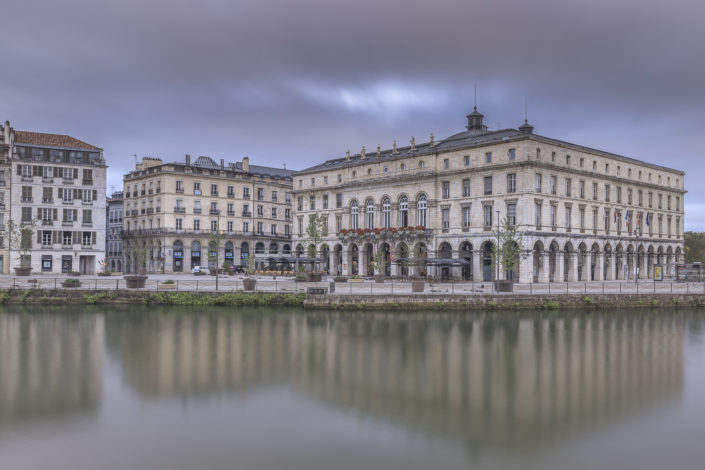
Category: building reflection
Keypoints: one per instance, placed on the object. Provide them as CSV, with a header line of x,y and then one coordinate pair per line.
x,y
519,383
50,366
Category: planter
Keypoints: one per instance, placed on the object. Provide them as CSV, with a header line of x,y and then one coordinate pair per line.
x,y
23,271
504,286
418,285
356,280
69,285
340,279
135,281
163,286
379,278
103,273
313,276
249,284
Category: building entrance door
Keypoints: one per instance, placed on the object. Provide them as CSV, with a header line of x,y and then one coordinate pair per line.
x,y
66,263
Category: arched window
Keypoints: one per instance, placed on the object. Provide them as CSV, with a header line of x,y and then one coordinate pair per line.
x,y
421,210
369,214
404,212
386,212
353,215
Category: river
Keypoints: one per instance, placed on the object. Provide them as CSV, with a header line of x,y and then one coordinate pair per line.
x,y
104,387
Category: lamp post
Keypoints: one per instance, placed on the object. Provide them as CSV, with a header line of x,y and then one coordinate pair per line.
x,y
636,256
217,248
496,256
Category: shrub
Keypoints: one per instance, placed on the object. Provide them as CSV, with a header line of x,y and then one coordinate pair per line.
x,y
491,304
587,299
169,281
74,273
655,303
99,296
4,297
72,280
300,277
551,305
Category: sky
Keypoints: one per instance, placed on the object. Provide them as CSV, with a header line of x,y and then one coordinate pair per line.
x,y
298,82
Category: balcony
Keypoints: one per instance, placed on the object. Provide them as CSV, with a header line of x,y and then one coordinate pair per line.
x,y
87,182
150,210
231,195
231,213
246,214
47,223
179,210
47,200
134,212
151,191
87,224
46,180
27,199
67,201
27,179
196,211
159,190
67,181
180,190
246,196
67,223
214,194
87,203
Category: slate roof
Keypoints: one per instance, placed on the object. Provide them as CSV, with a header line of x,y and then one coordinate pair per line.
x,y
51,140
465,140
207,162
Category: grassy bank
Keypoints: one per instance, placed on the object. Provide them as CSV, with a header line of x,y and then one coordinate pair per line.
x,y
237,298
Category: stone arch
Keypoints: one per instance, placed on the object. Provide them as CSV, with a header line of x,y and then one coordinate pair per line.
x,y
465,253
325,256
582,260
511,274
353,259
402,251
569,260
445,251
595,269
421,251
286,249
368,259
619,262
369,213
608,259
195,253
338,258
553,250
244,253
678,258
273,248
177,253
486,249
387,253
229,253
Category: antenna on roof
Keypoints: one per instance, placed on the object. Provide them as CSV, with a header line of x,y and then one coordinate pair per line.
x,y
526,108
135,155
475,105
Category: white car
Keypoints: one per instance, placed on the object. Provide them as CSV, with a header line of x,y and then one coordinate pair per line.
x,y
199,270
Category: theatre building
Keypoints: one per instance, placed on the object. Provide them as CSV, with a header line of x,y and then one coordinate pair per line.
x,y
581,214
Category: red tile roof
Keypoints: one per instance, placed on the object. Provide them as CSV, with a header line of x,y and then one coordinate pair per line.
x,y
51,140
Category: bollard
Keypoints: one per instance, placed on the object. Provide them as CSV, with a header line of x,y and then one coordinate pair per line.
x,y
196,285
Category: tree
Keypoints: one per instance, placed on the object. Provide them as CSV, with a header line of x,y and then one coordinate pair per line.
x,y
508,249
136,253
20,238
694,247
381,261
316,231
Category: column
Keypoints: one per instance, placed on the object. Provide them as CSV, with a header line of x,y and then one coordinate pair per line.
x,y
545,268
477,265
612,267
346,262
333,271
560,266
573,266
599,265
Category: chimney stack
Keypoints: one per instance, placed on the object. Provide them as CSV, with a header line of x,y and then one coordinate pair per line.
x,y
188,160
246,164
222,163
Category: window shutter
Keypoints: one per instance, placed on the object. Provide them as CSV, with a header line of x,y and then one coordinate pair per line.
x,y
34,170
75,173
93,238
39,237
59,193
75,215
19,170
56,214
76,238
39,213
76,194
58,173
95,194
55,236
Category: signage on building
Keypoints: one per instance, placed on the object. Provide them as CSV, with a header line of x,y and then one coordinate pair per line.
x,y
680,272
658,272
178,254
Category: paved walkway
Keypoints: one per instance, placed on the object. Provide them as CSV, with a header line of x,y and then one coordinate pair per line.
x,y
189,282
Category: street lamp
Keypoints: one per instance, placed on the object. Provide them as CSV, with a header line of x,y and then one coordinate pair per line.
x,y
636,255
217,247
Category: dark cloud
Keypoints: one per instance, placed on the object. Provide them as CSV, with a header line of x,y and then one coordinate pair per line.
x,y
299,82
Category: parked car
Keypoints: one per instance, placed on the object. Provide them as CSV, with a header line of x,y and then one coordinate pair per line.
x,y
199,270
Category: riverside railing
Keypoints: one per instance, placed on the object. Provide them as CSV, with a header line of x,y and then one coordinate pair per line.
x,y
360,287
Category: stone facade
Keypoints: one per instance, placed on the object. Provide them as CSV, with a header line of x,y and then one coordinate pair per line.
x,y
581,213
5,152
173,210
56,184
113,240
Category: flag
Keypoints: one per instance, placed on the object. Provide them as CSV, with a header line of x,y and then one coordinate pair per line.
x,y
615,216
647,219
626,217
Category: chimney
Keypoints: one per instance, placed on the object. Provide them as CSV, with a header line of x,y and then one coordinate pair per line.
x,y
222,164
188,160
246,164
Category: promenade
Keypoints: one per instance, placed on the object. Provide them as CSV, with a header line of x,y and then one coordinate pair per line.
x,y
191,283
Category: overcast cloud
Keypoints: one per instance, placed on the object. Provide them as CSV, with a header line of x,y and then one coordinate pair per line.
x,y
297,82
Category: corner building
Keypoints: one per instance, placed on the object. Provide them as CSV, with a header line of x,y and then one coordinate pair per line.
x,y
581,214
173,210
57,183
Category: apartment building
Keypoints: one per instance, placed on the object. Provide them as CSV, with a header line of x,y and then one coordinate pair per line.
x,y
581,213
57,186
113,240
173,211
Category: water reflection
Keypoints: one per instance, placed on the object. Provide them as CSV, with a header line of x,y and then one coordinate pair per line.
x,y
50,366
518,383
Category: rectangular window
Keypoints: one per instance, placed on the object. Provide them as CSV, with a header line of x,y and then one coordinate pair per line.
x,y
260,228
196,225
537,215
287,214
487,215
488,157
87,239
581,216
260,194
445,218
246,227
512,214
179,224
581,189
287,230
197,188
554,183
568,187
539,183
214,225
231,191
446,163
312,203
26,214
287,197
512,183
466,217
338,223
273,229
594,220
67,238
554,209
274,196
214,189
466,187
246,192
325,201
594,191
87,217
467,160
607,193
488,185
338,200
274,212
619,195
629,195
46,238
568,217
446,189
260,210
179,186
512,154
230,226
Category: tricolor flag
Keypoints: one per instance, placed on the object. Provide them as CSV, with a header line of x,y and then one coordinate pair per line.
x,y
626,217
648,222
615,216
